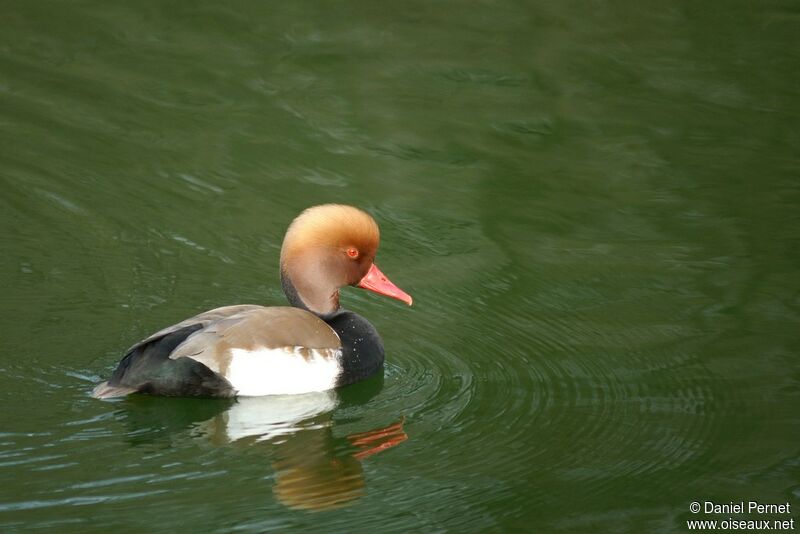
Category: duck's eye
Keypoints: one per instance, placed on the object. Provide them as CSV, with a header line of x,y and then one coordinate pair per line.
x,y
352,252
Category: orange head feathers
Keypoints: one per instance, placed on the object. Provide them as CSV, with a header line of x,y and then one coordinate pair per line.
x,y
330,246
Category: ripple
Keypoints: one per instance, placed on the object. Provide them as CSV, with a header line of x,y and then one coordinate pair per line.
x,y
584,397
76,501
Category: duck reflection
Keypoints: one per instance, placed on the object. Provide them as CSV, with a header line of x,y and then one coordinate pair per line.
x,y
314,469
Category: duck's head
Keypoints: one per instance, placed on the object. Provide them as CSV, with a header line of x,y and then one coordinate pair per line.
x,y
327,247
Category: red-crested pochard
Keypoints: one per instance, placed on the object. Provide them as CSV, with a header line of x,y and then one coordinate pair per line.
x,y
252,350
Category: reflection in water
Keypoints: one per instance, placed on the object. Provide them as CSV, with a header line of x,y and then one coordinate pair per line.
x,y
314,470
254,419
311,476
380,439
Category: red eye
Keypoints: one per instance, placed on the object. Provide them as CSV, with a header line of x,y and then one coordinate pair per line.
x,y
352,252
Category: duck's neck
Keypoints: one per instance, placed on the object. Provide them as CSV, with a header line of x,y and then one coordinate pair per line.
x,y
318,300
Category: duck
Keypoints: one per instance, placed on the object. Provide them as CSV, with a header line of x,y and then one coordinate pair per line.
x,y
250,350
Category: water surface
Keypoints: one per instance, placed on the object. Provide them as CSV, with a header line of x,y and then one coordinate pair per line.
x,y
595,207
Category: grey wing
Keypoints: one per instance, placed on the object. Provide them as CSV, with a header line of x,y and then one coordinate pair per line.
x,y
255,327
205,319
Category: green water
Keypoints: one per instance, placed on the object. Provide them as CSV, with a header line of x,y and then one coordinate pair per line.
x,y
594,206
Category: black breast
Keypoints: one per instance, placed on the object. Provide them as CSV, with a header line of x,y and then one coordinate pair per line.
x,y
362,348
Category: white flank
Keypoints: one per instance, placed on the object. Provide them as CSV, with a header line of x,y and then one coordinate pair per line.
x,y
282,372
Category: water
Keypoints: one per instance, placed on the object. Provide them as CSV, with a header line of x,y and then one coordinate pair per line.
x,y
594,206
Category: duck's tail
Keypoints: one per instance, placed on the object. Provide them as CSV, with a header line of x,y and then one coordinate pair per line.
x,y
105,391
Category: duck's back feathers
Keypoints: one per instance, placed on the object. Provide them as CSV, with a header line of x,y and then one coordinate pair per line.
x,y
219,353
148,368
252,329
